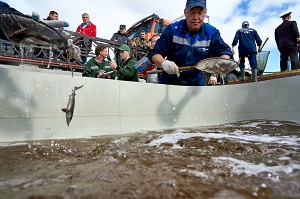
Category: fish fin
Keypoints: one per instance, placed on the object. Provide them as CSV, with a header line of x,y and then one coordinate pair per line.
x,y
64,110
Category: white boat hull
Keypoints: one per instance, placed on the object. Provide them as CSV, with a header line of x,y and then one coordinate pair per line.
x,y
32,99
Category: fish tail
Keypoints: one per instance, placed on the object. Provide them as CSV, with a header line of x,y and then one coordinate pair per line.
x,y
76,88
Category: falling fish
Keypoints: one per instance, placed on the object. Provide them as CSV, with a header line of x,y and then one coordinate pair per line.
x,y
71,105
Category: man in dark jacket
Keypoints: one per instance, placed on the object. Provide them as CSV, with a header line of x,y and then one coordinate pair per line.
x,y
246,37
120,37
287,38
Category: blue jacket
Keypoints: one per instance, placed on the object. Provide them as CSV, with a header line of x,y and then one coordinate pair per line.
x,y
246,38
185,48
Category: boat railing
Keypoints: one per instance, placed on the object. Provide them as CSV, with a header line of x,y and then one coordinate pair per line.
x,y
12,53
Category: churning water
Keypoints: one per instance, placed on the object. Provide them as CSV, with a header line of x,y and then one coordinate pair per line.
x,y
250,159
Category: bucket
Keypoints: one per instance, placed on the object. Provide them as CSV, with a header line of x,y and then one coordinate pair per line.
x,y
262,59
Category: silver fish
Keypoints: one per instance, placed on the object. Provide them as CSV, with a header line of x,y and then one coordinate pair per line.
x,y
71,105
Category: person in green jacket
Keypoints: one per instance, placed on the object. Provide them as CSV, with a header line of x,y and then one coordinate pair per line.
x,y
126,70
98,66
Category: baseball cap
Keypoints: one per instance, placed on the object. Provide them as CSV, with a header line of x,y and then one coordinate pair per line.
x,y
122,26
124,47
193,3
245,23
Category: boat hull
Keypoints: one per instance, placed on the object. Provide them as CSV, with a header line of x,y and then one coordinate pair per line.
x,y
32,99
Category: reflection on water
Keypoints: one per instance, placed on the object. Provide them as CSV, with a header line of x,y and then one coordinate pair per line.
x,y
250,159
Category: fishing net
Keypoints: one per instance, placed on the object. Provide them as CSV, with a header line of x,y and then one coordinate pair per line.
x,y
262,59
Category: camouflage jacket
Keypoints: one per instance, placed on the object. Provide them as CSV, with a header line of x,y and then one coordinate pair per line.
x,y
142,42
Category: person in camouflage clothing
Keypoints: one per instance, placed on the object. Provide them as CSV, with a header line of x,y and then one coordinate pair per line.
x,y
142,42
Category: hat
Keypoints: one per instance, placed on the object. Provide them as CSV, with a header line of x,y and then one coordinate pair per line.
x,y
285,15
245,23
122,26
124,47
193,3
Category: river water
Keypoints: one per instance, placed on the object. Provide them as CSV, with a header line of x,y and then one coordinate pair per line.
x,y
249,159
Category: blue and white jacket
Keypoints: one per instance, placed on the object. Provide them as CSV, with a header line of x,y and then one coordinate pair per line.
x,y
246,38
184,48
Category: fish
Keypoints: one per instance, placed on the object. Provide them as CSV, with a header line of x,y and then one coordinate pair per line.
x,y
216,65
27,31
71,105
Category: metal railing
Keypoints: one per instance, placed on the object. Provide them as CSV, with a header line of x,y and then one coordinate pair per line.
x,y
51,58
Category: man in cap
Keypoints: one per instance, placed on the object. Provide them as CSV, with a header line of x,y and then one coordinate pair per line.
x,y
185,43
120,37
126,70
287,38
246,37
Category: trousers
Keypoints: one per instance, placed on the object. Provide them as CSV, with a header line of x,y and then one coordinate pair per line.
x,y
252,60
285,52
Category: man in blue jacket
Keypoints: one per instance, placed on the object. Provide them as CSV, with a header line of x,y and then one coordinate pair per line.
x,y
185,43
247,48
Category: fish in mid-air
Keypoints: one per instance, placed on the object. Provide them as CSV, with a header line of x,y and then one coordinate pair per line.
x,y
71,105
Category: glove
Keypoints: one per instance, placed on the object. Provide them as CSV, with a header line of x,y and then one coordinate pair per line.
x,y
233,52
170,67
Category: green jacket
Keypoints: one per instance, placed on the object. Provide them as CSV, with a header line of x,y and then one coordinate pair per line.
x,y
92,68
127,71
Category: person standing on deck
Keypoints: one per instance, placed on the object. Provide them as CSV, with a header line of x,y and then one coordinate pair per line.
x,y
246,37
89,29
287,38
185,43
120,37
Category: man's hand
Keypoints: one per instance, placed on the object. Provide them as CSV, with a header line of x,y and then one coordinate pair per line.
x,y
232,50
212,80
112,65
170,67
101,72
259,49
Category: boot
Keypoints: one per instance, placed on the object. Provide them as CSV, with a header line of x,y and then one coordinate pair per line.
x,y
254,75
242,73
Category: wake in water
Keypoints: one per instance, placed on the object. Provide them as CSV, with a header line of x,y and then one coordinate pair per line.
x,y
250,159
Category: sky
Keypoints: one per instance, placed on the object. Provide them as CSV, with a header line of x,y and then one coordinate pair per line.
x,y
227,16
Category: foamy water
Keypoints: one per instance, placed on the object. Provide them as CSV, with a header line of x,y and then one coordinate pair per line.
x,y
249,159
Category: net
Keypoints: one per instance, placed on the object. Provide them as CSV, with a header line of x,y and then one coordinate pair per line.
x,y
262,59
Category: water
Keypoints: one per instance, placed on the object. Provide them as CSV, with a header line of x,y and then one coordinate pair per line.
x,y
250,159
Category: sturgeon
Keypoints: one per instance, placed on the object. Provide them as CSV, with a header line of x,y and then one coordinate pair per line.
x,y
71,105
27,31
